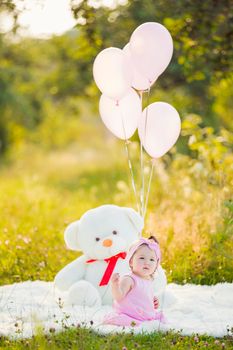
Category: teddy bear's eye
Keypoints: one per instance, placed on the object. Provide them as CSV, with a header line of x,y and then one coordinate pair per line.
x,y
97,239
114,232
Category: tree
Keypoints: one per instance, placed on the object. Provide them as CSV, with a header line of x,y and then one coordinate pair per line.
x,y
7,7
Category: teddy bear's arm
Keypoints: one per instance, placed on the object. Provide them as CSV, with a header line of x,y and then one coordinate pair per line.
x,y
71,273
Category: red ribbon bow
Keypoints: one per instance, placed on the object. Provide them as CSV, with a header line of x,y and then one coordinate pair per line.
x,y
111,265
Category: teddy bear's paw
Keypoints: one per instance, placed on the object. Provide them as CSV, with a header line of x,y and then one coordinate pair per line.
x,y
85,294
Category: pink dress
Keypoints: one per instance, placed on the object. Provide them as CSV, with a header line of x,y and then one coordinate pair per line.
x,y
136,307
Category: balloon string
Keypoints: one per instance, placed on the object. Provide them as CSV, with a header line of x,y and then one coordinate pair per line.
x,y
142,179
142,192
132,175
130,163
148,99
148,189
141,170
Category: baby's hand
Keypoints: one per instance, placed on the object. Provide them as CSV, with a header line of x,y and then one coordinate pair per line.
x,y
115,278
156,303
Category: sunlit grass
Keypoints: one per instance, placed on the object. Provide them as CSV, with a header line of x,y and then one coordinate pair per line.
x,y
41,192
85,339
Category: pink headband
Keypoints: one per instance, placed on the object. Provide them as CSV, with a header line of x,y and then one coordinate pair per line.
x,y
150,243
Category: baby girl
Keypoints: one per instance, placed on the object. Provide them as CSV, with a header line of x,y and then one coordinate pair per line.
x,y
133,294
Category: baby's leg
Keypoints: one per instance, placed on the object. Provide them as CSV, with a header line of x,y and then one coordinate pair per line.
x,y
120,320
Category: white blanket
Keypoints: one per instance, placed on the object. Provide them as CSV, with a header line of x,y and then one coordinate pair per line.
x,y
195,309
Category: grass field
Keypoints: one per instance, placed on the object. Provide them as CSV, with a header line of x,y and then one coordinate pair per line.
x,y
190,210
84,339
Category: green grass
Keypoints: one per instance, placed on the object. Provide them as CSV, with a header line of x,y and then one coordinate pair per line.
x,y
42,192
190,210
84,339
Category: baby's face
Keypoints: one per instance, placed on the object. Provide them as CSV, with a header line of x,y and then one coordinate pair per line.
x,y
144,262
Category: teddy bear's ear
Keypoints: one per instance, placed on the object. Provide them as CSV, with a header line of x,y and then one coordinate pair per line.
x,y
71,235
135,219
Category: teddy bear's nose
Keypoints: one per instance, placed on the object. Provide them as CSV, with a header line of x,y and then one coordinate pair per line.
x,y
107,243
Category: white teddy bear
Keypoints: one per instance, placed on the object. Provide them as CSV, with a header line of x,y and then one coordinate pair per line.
x,y
104,235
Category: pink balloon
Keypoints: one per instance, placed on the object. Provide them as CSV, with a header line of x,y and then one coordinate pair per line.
x,y
159,128
111,74
151,47
121,118
139,81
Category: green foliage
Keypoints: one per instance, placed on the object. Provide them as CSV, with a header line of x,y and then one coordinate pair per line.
x,y
85,339
195,215
223,102
42,78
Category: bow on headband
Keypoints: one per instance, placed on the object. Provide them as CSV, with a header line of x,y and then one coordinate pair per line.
x,y
151,244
